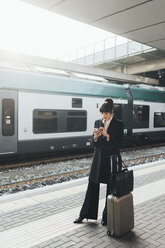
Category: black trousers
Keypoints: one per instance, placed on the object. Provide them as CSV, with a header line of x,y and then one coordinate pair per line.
x,y
89,208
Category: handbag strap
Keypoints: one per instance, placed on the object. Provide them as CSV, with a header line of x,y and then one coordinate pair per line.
x,y
116,163
125,166
115,159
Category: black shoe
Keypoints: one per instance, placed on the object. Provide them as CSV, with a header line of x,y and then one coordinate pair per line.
x,y
104,223
78,220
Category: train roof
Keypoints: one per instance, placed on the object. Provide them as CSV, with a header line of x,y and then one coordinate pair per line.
x,y
33,81
151,95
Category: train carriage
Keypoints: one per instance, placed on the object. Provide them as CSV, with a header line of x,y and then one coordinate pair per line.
x,y
48,113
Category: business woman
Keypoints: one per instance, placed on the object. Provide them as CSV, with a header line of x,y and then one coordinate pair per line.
x,y
107,137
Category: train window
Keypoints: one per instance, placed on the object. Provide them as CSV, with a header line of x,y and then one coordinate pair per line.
x,y
118,111
76,121
140,116
159,119
45,121
76,102
7,117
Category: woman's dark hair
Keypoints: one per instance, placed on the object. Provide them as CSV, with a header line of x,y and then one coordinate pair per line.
x,y
107,106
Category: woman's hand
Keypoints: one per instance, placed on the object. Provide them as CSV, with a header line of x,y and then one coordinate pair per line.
x,y
104,132
96,133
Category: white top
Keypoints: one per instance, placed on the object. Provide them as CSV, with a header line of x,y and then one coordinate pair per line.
x,y
106,123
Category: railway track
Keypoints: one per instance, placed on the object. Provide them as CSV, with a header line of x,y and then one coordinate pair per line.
x,y
77,172
48,160
44,161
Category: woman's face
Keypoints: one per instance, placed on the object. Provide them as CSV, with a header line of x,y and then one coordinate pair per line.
x,y
106,116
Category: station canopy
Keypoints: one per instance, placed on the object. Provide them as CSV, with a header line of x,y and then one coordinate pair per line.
x,y
139,20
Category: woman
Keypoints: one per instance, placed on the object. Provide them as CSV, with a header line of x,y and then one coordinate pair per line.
x,y
107,136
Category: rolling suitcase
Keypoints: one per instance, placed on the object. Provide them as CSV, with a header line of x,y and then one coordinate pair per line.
x,y
120,215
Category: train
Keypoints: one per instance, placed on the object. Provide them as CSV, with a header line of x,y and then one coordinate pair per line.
x,y
47,113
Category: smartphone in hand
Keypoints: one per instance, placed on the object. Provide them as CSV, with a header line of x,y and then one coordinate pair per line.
x,y
96,130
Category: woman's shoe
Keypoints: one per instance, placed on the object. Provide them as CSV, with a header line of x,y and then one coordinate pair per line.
x,y
78,220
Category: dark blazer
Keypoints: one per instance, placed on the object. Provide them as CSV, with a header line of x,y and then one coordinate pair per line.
x,y
103,149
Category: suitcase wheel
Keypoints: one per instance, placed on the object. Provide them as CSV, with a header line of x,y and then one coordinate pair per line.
x,y
109,233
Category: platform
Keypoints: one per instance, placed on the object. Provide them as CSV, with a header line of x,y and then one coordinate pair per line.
x,y
44,217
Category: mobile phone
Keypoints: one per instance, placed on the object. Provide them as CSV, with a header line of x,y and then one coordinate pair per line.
x,y
96,130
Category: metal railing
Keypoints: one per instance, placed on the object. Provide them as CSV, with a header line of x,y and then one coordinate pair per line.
x,y
107,50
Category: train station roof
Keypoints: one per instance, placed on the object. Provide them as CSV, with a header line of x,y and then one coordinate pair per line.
x,y
139,20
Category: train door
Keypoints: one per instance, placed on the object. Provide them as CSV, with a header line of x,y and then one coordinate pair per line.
x,y
8,122
128,112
